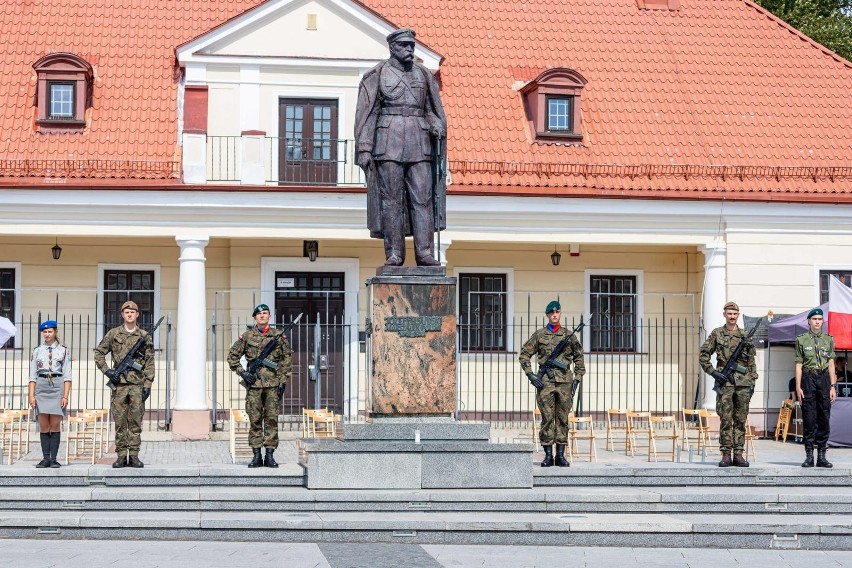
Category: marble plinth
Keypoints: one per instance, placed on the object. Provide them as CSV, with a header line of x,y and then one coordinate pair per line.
x,y
413,337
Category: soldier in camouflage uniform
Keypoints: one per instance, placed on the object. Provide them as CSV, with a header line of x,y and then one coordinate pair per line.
x,y
266,387
732,405
816,386
128,398
554,396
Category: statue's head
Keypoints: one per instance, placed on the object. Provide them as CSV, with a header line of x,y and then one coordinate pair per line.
x,y
401,44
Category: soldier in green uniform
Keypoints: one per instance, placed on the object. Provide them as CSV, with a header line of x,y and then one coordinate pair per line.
x,y
815,386
554,396
266,386
732,404
128,398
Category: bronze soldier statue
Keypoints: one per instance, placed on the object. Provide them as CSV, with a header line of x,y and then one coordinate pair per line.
x,y
399,131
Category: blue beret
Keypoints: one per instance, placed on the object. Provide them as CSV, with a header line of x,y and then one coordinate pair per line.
x,y
552,307
47,324
259,308
815,312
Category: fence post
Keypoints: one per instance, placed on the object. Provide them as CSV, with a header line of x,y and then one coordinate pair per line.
x,y
168,372
214,354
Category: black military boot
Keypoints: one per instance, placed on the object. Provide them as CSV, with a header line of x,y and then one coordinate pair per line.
x,y
739,460
121,461
270,461
548,456
726,460
809,458
134,461
45,451
821,461
55,438
256,461
560,456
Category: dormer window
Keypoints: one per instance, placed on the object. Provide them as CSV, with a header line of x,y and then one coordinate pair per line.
x,y
552,105
64,92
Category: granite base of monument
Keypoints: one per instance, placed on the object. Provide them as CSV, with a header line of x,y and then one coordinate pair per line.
x,y
416,453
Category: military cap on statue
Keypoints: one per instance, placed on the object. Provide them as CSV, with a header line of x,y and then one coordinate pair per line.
x,y
732,306
47,325
552,307
402,34
259,308
815,312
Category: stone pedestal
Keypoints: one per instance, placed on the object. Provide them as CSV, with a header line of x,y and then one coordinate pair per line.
x,y
413,441
416,453
413,337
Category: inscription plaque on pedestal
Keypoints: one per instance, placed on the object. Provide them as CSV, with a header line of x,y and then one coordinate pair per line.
x,y
413,337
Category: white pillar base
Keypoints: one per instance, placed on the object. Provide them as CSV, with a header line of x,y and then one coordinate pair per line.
x,y
190,425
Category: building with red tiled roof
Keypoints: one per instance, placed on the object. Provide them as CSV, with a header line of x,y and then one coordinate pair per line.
x,y
673,154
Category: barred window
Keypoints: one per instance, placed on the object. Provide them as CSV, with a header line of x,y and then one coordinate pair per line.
x,y
844,276
123,285
482,312
7,298
614,304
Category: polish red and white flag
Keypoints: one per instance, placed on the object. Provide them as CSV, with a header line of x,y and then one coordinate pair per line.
x,y
840,313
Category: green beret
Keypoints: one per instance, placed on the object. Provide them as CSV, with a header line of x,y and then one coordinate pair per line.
x,y
815,312
259,308
552,307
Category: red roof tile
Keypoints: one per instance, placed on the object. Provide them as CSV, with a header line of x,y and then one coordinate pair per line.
x,y
716,83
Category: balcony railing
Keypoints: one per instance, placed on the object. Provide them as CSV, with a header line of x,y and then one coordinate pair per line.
x,y
264,160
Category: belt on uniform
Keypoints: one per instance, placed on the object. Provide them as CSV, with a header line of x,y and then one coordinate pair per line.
x,y
816,371
401,111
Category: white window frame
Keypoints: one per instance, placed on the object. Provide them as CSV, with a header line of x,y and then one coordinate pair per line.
x,y
16,266
819,268
102,268
510,299
640,307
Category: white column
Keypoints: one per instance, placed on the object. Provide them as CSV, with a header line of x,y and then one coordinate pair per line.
x,y
191,370
713,300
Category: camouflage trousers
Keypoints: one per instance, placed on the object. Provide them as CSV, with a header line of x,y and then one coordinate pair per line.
x,y
555,402
732,408
127,411
262,409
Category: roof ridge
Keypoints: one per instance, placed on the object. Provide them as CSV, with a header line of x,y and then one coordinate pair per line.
x,y
826,51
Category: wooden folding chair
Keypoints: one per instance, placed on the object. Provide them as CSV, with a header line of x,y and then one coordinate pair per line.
x,y
638,423
659,430
238,435
325,424
7,423
704,416
82,436
587,433
785,415
616,421
750,437
690,422
536,422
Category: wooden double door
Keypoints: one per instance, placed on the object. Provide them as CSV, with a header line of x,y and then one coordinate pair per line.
x,y
308,144
318,296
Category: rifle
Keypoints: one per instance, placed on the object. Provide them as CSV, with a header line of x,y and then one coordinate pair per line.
x,y
726,375
129,362
551,363
262,361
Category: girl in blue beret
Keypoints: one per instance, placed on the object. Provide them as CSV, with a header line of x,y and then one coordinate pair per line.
x,y
50,385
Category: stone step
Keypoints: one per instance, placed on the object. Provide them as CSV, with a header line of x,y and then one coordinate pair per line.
x,y
760,500
644,530
286,475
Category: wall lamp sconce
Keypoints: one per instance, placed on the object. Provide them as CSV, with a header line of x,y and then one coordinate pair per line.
x,y
56,250
555,257
310,249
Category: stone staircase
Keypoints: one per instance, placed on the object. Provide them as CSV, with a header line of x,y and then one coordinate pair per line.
x,y
586,505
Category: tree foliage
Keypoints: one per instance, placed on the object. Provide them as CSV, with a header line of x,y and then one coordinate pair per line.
x,y
828,22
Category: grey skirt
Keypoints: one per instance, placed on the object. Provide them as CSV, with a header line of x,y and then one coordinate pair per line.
x,y
49,396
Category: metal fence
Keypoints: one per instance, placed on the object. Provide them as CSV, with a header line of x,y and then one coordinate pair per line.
x,y
80,333
285,161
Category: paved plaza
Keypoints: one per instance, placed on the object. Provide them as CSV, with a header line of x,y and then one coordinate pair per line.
x,y
183,554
